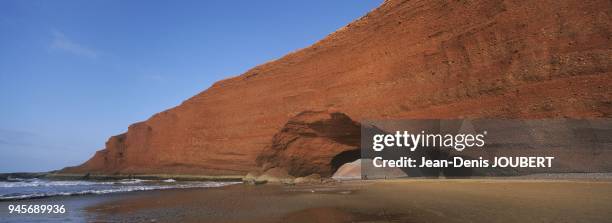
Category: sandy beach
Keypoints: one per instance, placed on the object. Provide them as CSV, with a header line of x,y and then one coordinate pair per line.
x,y
357,201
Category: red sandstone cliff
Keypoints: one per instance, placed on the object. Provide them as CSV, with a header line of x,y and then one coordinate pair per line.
x,y
405,59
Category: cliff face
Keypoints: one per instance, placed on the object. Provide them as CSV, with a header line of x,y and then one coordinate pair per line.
x,y
405,59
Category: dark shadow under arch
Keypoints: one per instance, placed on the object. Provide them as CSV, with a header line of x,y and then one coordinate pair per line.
x,y
344,157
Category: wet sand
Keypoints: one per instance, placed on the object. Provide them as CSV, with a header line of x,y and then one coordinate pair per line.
x,y
375,201
358,201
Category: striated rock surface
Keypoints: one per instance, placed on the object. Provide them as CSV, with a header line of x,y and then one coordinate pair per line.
x,y
405,59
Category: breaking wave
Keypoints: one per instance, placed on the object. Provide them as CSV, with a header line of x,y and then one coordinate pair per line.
x,y
20,189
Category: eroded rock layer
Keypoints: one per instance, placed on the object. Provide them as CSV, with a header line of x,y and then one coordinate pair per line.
x,y
405,59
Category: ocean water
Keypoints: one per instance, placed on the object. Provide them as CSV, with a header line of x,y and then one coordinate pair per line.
x,y
23,189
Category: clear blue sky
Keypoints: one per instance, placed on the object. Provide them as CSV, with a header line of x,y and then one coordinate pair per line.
x,y
73,73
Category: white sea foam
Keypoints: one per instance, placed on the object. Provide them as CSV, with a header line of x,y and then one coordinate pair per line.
x,y
132,181
42,188
43,183
47,183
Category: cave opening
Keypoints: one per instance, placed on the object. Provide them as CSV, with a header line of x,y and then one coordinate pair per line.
x,y
344,157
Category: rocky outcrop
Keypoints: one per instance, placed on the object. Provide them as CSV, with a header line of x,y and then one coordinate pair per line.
x,y
310,179
275,175
313,142
405,59
251,178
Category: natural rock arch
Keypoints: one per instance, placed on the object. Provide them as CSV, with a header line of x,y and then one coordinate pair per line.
x,y
313,142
